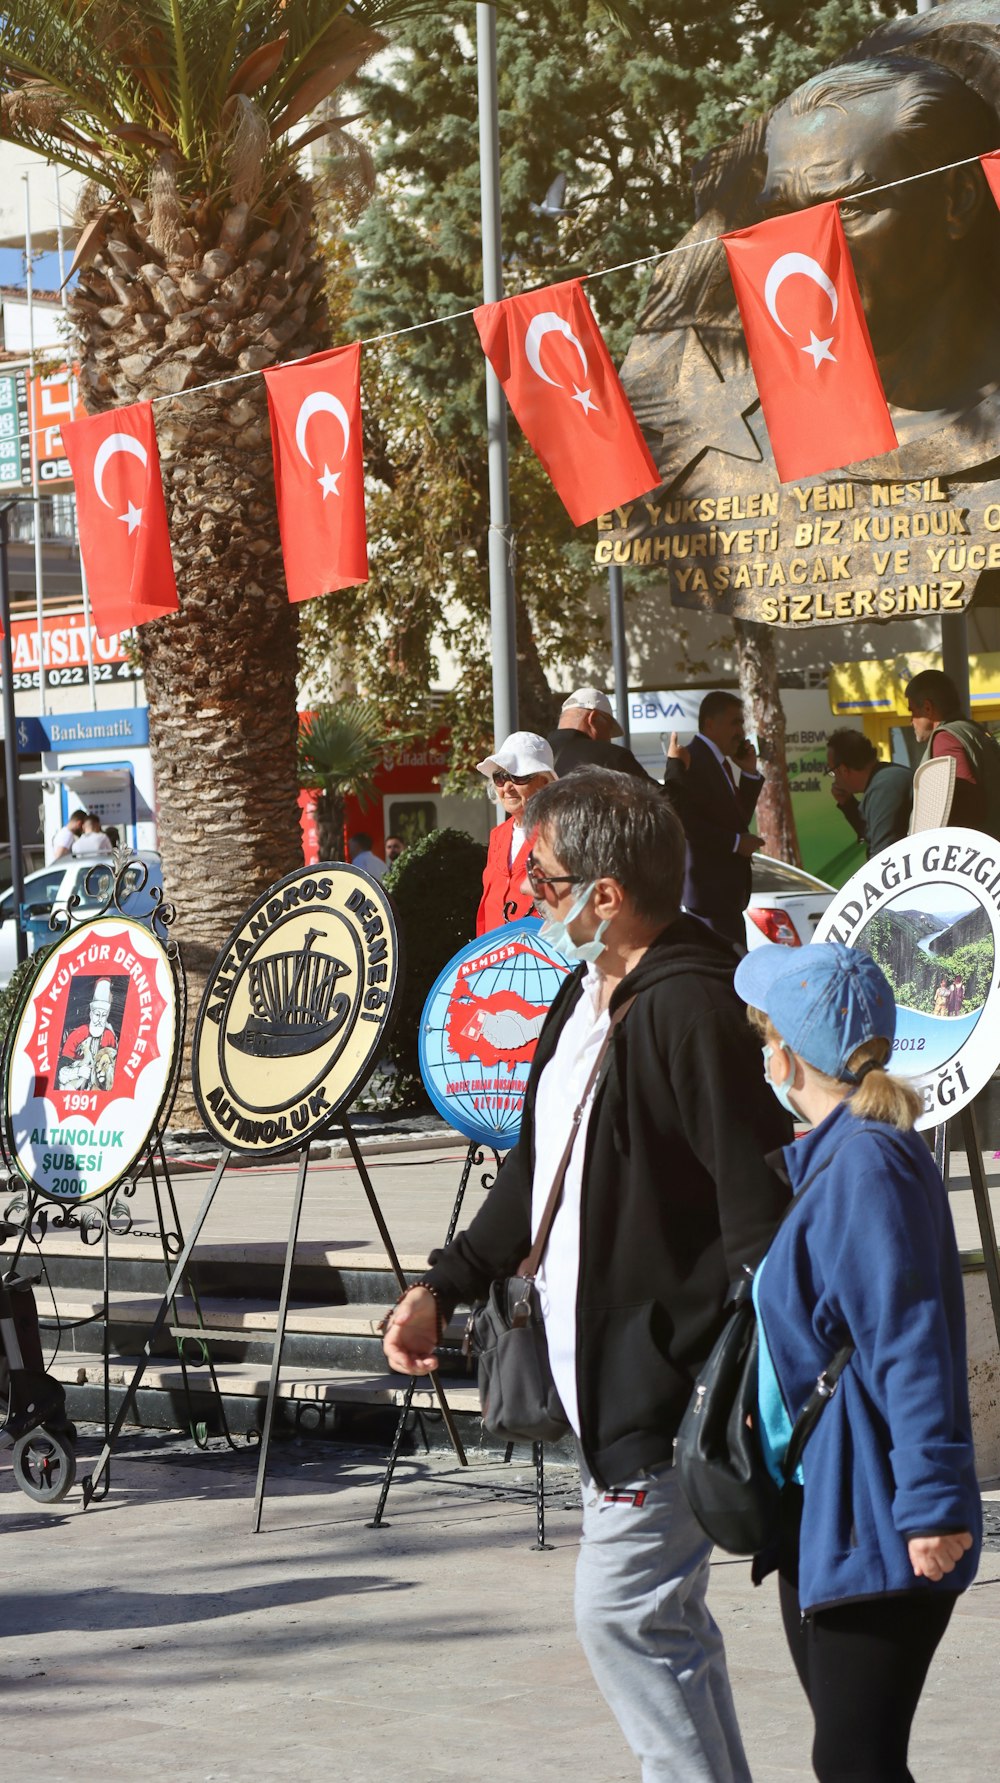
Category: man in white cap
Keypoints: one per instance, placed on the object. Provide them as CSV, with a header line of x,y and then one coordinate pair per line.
x,y
583,740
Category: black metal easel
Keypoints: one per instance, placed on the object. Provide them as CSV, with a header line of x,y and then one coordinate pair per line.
x,y
178,1276
475,1156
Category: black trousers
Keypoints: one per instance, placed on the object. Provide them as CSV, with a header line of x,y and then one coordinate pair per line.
x,y
863,1666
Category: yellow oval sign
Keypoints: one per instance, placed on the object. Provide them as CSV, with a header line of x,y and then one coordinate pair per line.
x,y
296,1009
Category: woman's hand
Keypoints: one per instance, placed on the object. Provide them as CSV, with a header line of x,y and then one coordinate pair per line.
x,y
412,1333
932,1556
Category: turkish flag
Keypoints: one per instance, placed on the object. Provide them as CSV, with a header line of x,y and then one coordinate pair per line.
x,y
122,517
808,342
550,357
319,472
991,168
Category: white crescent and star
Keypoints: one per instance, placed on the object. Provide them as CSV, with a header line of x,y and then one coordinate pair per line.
x,y
323,402
119,442
783,268
548,322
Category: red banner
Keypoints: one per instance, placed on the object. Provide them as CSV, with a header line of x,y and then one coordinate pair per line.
x,y
550,357
122,516
319,471
808,342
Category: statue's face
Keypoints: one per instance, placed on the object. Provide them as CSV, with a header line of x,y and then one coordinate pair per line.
x,y
900,244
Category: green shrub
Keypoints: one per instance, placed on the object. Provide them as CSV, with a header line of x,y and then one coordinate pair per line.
x,y
436,886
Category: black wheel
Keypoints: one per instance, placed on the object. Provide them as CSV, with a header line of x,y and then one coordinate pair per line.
x,y
44,1466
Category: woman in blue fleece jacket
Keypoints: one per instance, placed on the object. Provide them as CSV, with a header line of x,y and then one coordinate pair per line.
x,y
883,1520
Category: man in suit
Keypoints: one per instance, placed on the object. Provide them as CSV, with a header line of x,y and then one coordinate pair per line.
x,y
715,786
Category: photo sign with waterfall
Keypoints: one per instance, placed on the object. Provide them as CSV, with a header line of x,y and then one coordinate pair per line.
x,y
927,909
296,1009
90,1059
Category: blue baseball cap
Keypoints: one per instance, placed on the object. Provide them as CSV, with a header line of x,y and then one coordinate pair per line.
x,y
825,1000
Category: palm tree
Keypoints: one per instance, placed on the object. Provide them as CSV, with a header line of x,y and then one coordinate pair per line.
x,y
339,749
199,262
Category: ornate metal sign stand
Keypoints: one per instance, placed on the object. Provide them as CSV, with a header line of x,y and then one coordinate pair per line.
x,y
296,1010
90,1068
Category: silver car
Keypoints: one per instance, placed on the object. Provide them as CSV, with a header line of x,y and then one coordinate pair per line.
x,y
54,885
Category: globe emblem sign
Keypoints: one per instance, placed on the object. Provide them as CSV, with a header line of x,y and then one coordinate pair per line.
x,y
479,1028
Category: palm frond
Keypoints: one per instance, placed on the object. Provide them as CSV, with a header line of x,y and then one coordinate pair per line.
x,y
108,86
340,749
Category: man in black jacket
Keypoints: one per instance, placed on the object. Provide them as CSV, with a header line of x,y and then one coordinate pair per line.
x,y
583,737
715,785
665,1196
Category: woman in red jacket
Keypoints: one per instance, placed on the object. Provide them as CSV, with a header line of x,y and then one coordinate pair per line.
x,y
517,769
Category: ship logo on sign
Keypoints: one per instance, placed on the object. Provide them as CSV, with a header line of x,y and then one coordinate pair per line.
x,y
296,1005
296,1009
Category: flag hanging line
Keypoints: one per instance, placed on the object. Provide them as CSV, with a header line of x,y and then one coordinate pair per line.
x,y
602,272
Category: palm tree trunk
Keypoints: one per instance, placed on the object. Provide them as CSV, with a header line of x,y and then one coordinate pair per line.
x,y
329,816
762,695
159,312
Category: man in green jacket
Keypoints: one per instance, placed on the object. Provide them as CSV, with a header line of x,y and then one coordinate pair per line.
x,y
875,796
941,725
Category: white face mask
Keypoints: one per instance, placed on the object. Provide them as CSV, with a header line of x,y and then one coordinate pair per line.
x,y
555,930
781,1090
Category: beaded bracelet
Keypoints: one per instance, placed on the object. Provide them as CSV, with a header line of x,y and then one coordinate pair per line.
x,y
386,1321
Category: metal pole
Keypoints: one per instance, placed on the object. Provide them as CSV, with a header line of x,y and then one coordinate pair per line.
x,y
10,742
954,626
29,279
502,622
64,299
619,650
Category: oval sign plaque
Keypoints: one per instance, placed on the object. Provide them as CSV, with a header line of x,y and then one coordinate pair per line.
x,y
296,1009
90,1060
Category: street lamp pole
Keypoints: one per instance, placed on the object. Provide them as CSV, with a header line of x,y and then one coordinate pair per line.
x,y
10,738
501,545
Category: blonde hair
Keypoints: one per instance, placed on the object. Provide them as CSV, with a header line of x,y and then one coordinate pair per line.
x,y
878,1097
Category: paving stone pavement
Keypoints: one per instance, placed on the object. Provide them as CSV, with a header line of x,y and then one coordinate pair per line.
x,y
153,1636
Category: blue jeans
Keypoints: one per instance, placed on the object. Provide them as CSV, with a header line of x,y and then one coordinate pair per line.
x,y
653,1647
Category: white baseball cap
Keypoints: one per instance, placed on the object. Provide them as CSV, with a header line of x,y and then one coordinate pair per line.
x,y
523,752
591,699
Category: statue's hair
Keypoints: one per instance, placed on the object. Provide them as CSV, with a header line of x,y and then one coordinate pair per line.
x,y
938,117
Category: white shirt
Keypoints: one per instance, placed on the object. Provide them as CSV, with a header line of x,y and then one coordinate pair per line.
x,y
92,842
559,1090
370,862
517,836
64,840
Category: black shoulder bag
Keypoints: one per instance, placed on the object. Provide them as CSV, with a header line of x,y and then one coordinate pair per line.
x,y
717,1451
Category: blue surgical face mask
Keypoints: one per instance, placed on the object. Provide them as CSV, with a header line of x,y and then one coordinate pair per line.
x,y
555,930
781,1089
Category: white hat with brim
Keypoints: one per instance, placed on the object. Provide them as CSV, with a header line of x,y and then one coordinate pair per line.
x,y
523,752
591,699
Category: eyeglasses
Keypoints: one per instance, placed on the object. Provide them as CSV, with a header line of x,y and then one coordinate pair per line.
x,y
501,777
537,879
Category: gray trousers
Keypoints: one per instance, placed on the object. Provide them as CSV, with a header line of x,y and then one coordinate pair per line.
x,y
653,1647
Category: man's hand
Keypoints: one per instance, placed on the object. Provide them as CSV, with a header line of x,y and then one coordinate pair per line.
x,y
678,751
840,795
748,845
745,757
932,1556
412,1333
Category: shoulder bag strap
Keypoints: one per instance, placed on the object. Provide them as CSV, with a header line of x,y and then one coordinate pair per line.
x,y
530,1265
808,1418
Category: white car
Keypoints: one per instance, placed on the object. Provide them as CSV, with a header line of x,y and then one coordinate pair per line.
x,y
53,885
785,904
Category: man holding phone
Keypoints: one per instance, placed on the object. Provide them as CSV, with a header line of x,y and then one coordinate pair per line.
x,y
715,786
